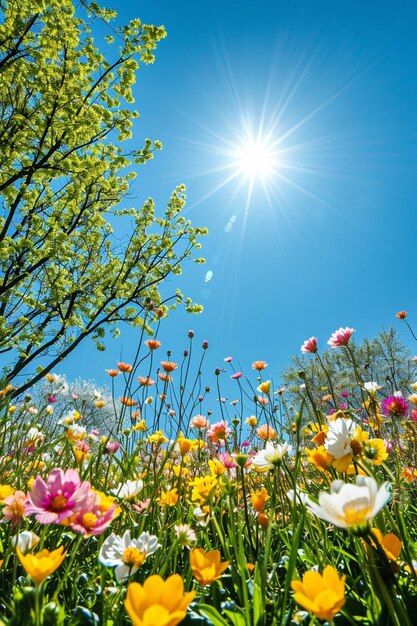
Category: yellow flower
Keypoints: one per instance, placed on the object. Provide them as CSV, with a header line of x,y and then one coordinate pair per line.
x,y
251,421
203,488
5,491
39,566
168,498
158,602
375,451
265,387
320,458
105,503
185,445
216,467
158,437
390,543
207,566
342,464
323,595
258,499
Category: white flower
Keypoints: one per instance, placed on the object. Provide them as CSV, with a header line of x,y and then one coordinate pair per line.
x,y
398,394
351,505
270,456
185,534
126,554
201,517
297,496
26,541
35,435
371,387
339,437
129,489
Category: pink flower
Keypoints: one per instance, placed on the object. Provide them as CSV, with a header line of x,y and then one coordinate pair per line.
x,y
91,519
227,460
219,432
228,359
199,421
341,337
141,506
15,508
310,346
236,375
60,497
112,447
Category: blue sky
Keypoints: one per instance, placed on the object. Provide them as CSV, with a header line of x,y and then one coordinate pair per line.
x,y
325,235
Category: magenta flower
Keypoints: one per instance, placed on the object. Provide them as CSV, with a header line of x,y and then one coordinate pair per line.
x,y
60,497
341,337
394,406
310,346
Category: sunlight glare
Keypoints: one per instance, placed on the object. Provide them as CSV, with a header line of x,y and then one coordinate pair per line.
x,y
254,158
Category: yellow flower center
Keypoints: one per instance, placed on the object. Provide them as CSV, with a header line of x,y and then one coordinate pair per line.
x,y
354,516
59,503
89,520
133,557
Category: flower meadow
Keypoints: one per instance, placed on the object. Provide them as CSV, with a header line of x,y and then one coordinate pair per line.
x,y
190,508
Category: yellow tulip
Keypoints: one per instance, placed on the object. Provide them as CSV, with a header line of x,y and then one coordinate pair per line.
x,y
206,566
158,602
265,387
323,595
39,566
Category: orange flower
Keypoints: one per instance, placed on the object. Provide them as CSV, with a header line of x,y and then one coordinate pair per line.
x,y
263,520
401,315
113,373
153,344
320,458
258,499
5,391
266,432
259,365
409,474
207,566
145,381
320,438
127,401
166,378
168,366
124,367
390,543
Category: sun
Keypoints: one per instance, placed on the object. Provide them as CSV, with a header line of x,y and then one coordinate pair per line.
x,y
254,158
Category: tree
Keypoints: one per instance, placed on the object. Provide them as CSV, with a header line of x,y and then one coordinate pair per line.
x,y
64,140
384,360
